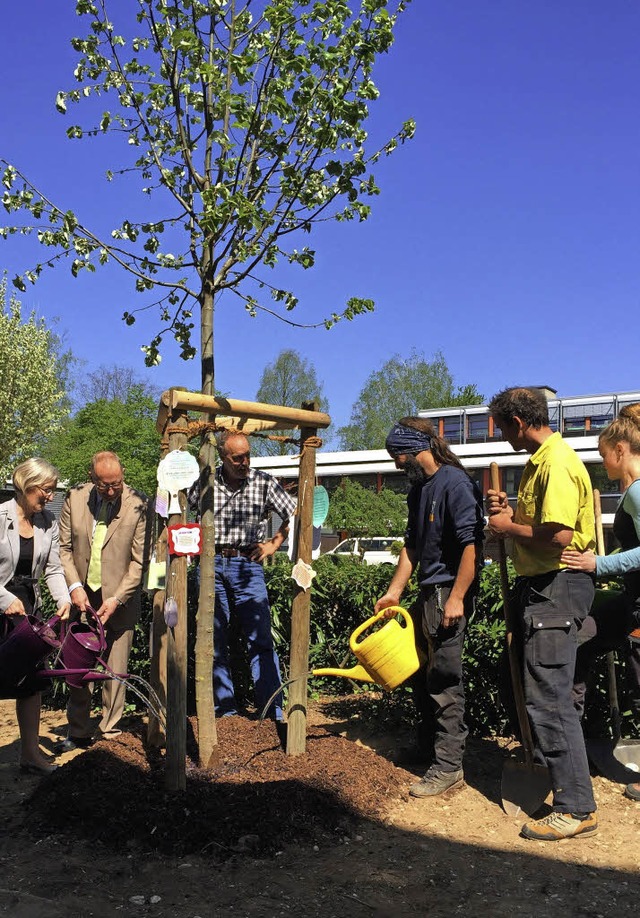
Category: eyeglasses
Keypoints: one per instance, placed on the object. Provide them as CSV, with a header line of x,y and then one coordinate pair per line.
x,y
240,457
47,492
104,488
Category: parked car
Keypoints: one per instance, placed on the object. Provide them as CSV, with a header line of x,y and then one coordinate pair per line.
x,y
372,550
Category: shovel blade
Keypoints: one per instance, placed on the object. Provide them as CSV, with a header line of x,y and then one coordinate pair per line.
x,y
627,752
524,787
619,762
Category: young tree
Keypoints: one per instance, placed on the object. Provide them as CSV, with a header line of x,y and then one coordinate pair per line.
x,y
125,426
33,400
402,387
360,511
246,124
289,380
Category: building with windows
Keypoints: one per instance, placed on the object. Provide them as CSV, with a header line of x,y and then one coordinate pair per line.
x,y
477,442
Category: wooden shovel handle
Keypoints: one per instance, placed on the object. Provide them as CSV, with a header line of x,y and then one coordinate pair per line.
x,y
612,685
597,513
512,651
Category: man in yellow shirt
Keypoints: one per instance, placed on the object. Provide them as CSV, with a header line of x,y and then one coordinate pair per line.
x,y
554,511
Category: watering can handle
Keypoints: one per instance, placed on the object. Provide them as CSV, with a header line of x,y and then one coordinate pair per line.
x,y
98,621
353,640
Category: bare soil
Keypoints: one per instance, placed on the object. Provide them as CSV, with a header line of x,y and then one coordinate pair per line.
x,y
330,833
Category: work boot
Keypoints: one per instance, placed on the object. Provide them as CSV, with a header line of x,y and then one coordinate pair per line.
x,y
436,782
632,791
557,826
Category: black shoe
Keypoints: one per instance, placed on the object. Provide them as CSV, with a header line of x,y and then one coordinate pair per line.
x,y
71,743
281,730
437,782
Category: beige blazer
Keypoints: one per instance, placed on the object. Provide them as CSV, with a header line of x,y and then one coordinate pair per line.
x,y
46,557
124,552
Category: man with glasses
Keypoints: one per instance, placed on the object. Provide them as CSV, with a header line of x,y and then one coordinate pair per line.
x,y
103,530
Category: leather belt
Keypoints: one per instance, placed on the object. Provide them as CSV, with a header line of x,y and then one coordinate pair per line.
x,y
227,552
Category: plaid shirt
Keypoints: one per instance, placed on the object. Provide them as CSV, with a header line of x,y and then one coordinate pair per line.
x,y
241,516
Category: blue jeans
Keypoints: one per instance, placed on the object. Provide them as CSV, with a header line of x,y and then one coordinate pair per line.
x,y
241,591
552,609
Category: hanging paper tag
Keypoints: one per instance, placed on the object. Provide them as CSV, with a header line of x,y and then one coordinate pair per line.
x,y
184,539
156,574
303,574
162,503
178,470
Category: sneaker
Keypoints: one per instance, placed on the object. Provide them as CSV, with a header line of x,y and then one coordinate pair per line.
x,y
632,791
437,782
557,826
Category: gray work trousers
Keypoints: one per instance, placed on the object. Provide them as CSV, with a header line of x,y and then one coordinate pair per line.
x,y
438,687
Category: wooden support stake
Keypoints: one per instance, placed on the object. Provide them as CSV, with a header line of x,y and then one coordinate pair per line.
x,y
176,775
158,662
301,607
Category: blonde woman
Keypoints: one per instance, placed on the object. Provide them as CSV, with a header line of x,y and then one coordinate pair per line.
x,y
29,548
617,619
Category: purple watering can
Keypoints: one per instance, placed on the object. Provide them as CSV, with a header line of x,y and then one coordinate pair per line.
x,y
25,642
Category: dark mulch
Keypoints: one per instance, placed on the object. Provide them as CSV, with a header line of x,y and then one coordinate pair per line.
x,y
255,800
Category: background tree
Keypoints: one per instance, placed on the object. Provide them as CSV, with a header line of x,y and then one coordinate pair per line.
x,y
33,398
402,387
361,511
289,380
127,427
109,383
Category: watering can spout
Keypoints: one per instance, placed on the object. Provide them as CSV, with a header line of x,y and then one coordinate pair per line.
x,y
387,656
356,672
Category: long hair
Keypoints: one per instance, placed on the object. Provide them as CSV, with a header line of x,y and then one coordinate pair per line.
x,y
626,427
439,447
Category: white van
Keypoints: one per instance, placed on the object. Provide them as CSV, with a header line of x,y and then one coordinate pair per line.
x,y
372,550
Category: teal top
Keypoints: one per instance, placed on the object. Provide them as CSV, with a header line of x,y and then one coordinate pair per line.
x,y
625,561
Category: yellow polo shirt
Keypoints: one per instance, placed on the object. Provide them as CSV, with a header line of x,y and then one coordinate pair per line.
x,y
555,488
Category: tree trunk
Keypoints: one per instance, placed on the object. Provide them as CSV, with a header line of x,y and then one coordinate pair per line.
x,y
207,733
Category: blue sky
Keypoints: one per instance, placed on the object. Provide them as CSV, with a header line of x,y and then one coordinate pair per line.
x,y
507,234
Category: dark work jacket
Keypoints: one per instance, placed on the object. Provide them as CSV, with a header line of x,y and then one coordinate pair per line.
x,y
445,515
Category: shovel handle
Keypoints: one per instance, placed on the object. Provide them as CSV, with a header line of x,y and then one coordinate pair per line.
x,y
514,662
597,515
612,685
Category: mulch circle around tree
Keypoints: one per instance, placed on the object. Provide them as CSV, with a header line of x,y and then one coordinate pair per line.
x,y
256,800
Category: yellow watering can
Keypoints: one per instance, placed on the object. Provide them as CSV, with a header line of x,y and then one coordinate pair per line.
x,y
387,656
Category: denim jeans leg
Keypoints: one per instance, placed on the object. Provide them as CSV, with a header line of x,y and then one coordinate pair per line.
x,y
251,604
550,615
223,691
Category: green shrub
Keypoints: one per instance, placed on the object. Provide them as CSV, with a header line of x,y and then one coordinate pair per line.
x,y
343,595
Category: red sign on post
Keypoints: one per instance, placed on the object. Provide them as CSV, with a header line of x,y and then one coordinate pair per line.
x,y
184,539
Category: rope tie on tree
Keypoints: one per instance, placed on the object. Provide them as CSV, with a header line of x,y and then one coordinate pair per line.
x,y
195,428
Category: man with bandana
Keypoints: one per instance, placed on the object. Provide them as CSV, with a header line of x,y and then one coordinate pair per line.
x,y
444,542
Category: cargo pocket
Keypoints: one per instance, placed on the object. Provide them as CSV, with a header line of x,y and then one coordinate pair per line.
x,y
553,639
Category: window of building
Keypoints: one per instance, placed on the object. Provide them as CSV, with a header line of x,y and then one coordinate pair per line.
x,y
477,428
587,417
452,428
